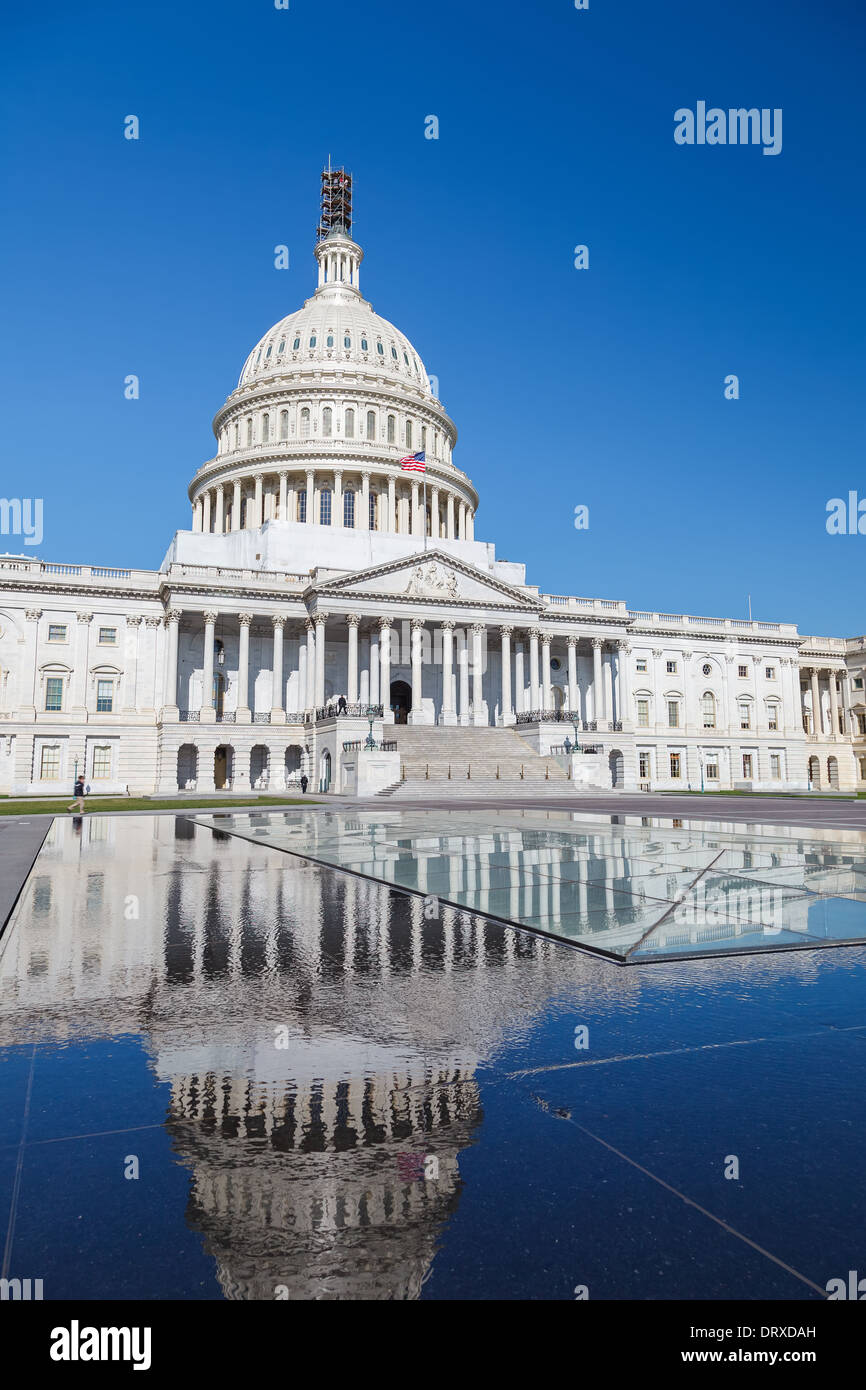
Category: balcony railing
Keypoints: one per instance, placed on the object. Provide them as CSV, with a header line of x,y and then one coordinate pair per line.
x,y
336,710
356,745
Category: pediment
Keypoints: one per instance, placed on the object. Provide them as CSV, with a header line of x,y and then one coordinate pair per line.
x,y
433,577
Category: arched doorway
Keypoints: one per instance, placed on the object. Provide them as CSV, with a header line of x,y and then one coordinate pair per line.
x,y
617,769
293,764
325,772
815,771
401,701
223,769
833,771
259,767
187,767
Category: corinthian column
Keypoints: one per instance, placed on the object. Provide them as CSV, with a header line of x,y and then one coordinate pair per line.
x,y
244,715
278,706
546,694
385,669
172,622
479,714
321,619
207,714
447,714
834,704
311,665
416,714
506,714
352,679
534,692
573,698
817,722
597,692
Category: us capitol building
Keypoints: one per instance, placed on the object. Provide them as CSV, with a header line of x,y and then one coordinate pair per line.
x,y
325,596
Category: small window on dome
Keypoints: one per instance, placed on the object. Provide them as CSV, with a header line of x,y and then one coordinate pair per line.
x,y
363,344
393,352
408,434
269,351
329,342
350,424
392,429
405,357
296,344
347,341
266,428
327,422
312,340
380,349
258,356
371,424
305,421
282,347
284,424
423,436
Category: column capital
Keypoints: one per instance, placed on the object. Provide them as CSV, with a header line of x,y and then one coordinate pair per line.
x,y
386,623
279,620
283,473
220,487
598,643
309,626
155,621
506,629
448,625
624,646
418,623
134,620
353,619
210,616
533,633
658,653
245,619
572,639
546,639
479,627
84,617
322,618
33,615
259,477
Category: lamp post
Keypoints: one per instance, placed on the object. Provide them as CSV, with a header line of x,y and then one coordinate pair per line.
x,y
575,719
371,715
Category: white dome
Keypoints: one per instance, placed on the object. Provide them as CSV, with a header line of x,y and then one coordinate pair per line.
x,y
340,329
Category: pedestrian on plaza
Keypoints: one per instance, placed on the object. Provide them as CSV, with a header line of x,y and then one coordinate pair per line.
x,y
78,793
304,783
341,705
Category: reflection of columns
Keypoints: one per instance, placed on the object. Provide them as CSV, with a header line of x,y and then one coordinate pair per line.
x,y
597,704
519,679
506,711
817,722
573,698
478,713
385,667
447,714
546,695
463,673
236,506
311,664
834,704
172,622
352,620
416,716
278,694
321,619
208,714
534,693
243,715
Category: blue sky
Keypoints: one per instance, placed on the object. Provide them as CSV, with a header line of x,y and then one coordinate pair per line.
x,y
601,387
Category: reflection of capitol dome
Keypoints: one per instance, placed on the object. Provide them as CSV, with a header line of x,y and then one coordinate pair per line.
x,y
329,400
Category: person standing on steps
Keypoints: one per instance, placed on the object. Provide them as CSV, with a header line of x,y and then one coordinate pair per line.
x,y
304,783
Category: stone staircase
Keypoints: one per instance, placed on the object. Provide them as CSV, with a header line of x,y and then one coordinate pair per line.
x,y
471,762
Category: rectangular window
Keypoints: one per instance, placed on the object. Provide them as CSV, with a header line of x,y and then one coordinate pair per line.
x,y
104,697
57,632
49,763
676,766
858,682
108,636
101,762
770,673
54,693
772,717
861,723
712,772
643,714
302,506
742,671
745,717
776,766
671,668
372,511
643,766
325,507
640,664
673,714
747,766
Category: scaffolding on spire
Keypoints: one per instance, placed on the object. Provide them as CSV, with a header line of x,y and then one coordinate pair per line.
x,y
336,215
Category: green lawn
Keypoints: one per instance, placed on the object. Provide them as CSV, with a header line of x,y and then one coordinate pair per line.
x,y
102,804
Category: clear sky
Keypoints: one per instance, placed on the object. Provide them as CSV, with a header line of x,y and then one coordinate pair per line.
x,y
602,387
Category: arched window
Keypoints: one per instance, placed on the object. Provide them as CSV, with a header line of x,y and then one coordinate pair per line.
x,y
347,341
282,347
380,349
392,429
266,428
296,344
305,421
237,432
325,507
406,358
373,511
423,436
350,424
408,434
348,509
312,340
393,352
329,341
708,709
327,422
363,344
371,424
284,424
249,429
258,356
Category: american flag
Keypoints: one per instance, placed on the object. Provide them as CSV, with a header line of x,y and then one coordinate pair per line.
x,y
414,463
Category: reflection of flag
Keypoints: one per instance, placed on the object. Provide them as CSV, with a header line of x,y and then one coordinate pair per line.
x,y
410,1167
414,463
